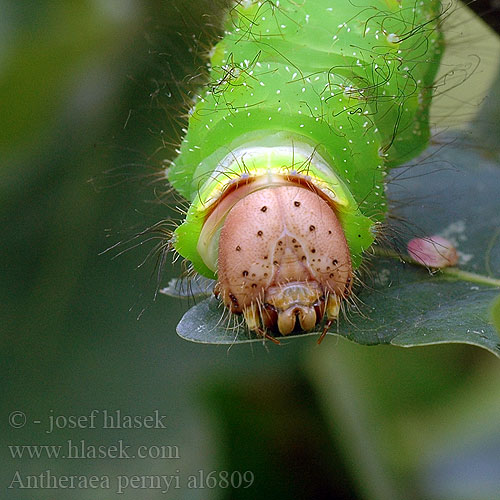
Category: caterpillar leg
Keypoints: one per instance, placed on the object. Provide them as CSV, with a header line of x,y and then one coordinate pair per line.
x,y
252,319
332,313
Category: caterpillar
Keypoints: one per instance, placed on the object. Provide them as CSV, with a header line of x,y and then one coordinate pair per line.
x,y
308,106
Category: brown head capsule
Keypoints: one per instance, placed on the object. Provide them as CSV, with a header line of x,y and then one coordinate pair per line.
x,y
283,260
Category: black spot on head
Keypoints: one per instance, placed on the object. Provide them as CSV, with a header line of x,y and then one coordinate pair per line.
x,y
280,243
335,262
329,232
313,250
259,233
254,285
275,262
304,257
331,275
359,236
312,228
234,300
296,203
294,240
238,248
245,273
265,256
263,209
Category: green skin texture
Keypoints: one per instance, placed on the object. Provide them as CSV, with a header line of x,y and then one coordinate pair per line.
x,y
353,79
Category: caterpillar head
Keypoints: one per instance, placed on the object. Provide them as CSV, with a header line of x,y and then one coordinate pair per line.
x,y
283,260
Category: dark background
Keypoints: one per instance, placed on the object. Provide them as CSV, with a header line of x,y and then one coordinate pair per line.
x,y
91,103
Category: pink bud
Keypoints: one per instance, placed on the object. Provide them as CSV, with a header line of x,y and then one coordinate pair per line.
x,y
433,251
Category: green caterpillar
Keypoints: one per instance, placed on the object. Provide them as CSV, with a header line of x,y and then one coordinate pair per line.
x,y
309,103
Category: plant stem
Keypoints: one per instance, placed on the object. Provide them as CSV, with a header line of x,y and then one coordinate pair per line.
x,y
354,425
473,277
450,272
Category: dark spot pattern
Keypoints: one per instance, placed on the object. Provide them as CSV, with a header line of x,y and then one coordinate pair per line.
x,y
234,300
346,289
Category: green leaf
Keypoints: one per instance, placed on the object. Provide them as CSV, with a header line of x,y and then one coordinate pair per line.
x,y
187,289
454,195
495,313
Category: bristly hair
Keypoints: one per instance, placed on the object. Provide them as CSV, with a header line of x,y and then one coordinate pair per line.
x,y
392,234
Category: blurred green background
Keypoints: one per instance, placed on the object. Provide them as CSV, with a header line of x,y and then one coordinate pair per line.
x,y
91,95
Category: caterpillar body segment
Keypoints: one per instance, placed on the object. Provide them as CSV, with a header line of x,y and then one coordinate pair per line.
x,y
316,99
